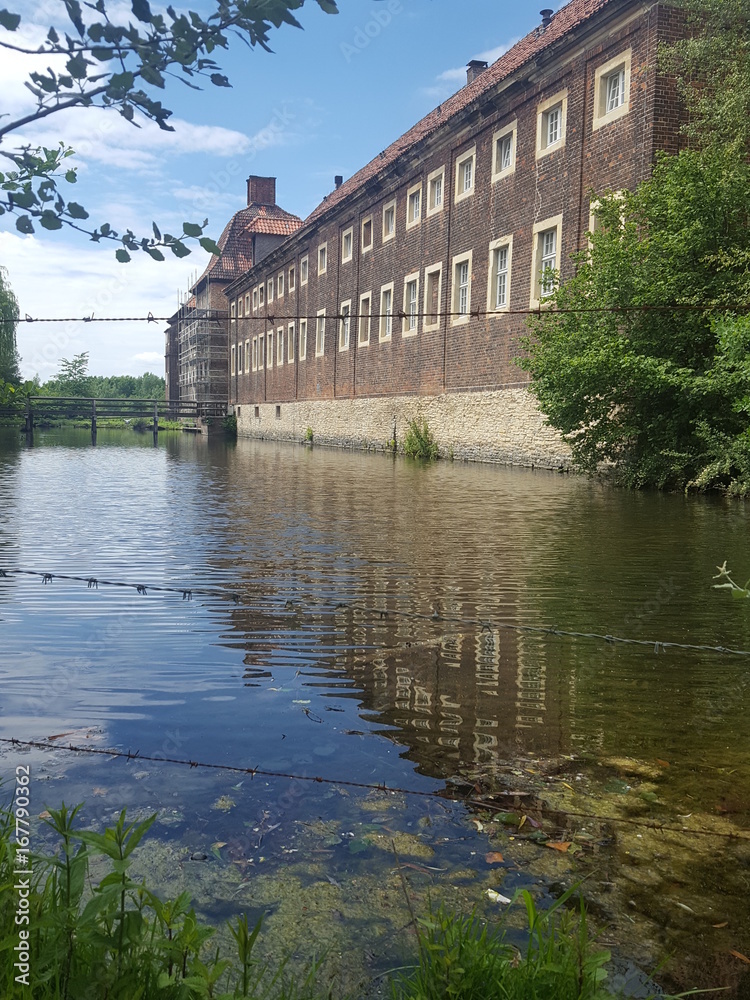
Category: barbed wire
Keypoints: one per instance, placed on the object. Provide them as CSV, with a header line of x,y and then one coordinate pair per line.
x,y
541,309
93,583
307,604
442,794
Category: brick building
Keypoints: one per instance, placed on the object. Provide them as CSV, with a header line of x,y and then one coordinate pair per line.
x,y
402,293
196,349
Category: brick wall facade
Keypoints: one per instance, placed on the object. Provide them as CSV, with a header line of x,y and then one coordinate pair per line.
x,y
547,190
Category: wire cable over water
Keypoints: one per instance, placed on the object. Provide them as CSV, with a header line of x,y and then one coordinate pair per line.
x,y
307,605
443,795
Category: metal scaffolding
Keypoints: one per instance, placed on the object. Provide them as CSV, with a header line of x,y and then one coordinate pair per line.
x,y
201,350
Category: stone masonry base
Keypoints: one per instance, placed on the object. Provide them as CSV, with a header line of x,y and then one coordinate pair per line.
x,y
498,426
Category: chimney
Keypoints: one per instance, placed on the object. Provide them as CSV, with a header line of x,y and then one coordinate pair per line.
x,y
261,190
338,180
474,69
546,16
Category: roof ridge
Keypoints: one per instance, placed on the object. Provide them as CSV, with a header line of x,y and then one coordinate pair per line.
x,y
564,20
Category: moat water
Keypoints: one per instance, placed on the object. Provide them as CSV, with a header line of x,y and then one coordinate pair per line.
x,y
379,637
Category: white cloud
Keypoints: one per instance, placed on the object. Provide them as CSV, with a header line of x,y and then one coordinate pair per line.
x,y
105,137
451,80
54,278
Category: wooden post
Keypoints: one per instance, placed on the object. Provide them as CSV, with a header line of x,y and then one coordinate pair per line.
x,y
156,422
29,424
93,421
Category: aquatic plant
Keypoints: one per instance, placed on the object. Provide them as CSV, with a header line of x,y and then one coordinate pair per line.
x,y
460,958
418,442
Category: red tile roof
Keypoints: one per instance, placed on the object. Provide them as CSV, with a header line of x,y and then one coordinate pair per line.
x,y
236,242
564,21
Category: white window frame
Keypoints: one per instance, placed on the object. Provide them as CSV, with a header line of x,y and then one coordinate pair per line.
x,y
543,146
233,361
469,156
261,351
458,260
387,208
406,331
239,358
320,333
269,291
428,271
262,294
304,270
508,132
247,356
255,299
620,65
385,321
364,341
432,179
345,324
302,339
495,245
323,253
255,354
347,233
239,308
414,200
269,350
555,222
247,303
279,346
290,343
366,247
280,285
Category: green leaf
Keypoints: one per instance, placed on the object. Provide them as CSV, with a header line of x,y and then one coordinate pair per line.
x,y
122,255
142,10
24,224
9,21
328,6
191,229
76,66
71,176
179,249
50,220
154,253
219,80
155,228
208,244
77,211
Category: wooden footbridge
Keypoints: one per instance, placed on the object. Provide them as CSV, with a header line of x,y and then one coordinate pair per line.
x,y
38,411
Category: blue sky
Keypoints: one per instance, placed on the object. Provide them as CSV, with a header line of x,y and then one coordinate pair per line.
x,y
326,101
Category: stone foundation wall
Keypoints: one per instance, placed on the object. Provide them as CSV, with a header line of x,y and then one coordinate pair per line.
x,y
499,426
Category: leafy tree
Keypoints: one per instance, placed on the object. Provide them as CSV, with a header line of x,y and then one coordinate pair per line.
x,y
9,372
120,68
73,378
647,370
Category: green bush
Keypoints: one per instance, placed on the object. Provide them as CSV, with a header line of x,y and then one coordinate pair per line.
x,y
230,425
116,940
419,442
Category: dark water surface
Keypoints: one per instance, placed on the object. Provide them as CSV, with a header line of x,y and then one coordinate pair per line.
x,y
392,691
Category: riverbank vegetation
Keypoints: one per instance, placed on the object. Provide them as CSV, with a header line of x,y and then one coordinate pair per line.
x,y
647,372
91,929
